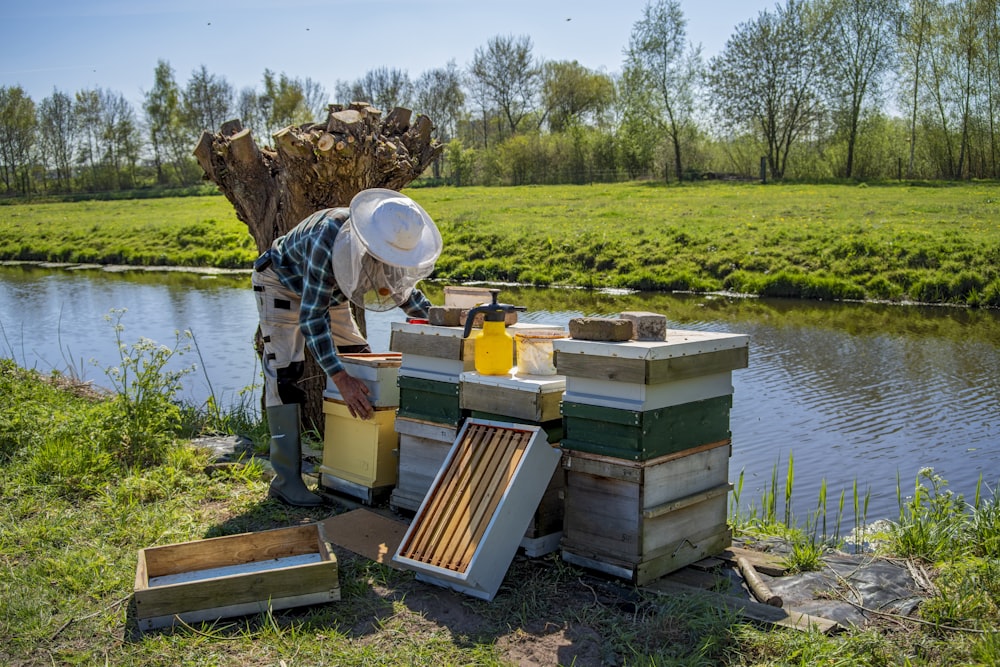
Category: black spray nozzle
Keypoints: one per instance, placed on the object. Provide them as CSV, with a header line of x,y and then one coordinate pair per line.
x,y
492,312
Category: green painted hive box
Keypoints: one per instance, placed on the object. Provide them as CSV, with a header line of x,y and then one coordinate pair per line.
x,y
640,436
429,400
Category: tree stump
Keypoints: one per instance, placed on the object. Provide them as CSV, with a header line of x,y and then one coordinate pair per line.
x,y
311,167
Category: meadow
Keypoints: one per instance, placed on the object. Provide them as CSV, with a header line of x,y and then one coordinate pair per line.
x,y
916,242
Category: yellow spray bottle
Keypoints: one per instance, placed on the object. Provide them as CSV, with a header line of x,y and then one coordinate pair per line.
x,y
494,347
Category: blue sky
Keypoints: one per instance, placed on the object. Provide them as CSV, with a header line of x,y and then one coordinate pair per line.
x,y
71,45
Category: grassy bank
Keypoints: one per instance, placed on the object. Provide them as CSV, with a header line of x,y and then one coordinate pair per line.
x,y
933,244
89,479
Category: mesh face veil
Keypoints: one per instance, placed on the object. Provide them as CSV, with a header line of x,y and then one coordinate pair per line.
x,y
367,281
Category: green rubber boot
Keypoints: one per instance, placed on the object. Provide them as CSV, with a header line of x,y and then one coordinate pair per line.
x,y
286,458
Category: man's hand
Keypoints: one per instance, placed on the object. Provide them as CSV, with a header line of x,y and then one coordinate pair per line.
x,y
355,394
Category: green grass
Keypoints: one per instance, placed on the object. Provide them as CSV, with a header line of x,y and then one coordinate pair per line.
x,y
898,242
90,479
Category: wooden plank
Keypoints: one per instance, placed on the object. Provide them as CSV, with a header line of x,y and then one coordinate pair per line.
x,y
769,564
650,371
228,550
686,501
676,477
750,610
682,368
689,549
433,345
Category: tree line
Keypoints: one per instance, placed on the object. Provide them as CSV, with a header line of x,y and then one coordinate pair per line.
x,y
810,90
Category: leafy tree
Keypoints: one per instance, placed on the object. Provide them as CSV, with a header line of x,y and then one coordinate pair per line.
x,y
859,52
573,95
17,136
207,101
385,88
284,101
914,38
163,119
57,136
506,78
660,75
765,80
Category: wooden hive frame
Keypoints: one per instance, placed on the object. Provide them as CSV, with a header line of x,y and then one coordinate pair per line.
x,y
471,521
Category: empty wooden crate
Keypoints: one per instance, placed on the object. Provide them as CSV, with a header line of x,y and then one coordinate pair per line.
x,y
222,577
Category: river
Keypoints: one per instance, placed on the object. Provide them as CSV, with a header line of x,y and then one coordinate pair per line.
x,y
859,394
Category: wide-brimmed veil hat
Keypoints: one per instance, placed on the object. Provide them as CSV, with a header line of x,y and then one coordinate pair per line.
x,y
384,249
394,228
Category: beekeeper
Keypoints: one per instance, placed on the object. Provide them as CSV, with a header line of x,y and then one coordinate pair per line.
x,y
372,254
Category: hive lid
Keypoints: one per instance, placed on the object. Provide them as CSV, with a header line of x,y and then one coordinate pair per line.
x,y
679,343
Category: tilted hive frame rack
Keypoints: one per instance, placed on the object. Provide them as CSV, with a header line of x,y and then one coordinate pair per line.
x,y
467,530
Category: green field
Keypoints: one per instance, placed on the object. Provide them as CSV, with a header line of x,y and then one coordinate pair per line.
x,y
932,244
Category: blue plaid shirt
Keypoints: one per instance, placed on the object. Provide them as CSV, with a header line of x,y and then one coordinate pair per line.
x,y
303,260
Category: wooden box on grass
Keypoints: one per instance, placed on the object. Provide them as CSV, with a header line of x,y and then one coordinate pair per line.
x,y
641,520
236,575
359,456
423,446
641,436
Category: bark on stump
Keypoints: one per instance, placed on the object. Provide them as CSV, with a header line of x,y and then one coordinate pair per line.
x,y
311,167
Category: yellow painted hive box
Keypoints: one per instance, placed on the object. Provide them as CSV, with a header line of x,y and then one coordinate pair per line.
x,y
359,451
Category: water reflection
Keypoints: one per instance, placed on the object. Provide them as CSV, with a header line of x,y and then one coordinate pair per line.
x,y
855,392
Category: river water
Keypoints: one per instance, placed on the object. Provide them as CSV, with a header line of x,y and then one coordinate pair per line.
x,y
855,394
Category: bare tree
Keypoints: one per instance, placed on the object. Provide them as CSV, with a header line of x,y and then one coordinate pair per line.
x,y
439,95
507,77
207,100
383,87
57,137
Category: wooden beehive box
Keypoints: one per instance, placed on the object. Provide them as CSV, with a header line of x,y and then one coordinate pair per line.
x,y
359,455
684,354
422,449
378,371
236,575
469,526
430,400
439,351
640,436
641,520
534,398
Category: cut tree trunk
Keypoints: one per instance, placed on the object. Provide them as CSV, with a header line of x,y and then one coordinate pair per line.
x,y
313,167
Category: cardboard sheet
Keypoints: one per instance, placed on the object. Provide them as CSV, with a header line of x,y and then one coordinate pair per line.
x,y
367,534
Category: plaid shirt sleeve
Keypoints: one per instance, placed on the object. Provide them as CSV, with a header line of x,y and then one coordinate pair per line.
x,y
319,294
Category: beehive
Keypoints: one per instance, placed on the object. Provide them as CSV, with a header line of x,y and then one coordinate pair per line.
x,y
359,455
468,527
378,372
640,520
422,448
